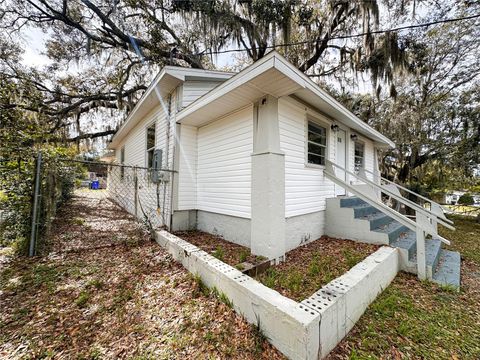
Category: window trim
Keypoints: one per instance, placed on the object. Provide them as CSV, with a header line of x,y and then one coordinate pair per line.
x,y
319,122
148,126
355,156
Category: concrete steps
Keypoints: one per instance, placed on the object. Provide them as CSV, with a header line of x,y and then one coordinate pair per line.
x,y
352,218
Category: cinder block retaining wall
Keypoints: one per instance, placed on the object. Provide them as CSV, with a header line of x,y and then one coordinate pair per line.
x,y
306,330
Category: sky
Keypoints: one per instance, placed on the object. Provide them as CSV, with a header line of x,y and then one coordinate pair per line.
x,y
33,55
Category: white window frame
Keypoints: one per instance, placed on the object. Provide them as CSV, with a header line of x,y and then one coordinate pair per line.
x,y
152,149
322,123
355,156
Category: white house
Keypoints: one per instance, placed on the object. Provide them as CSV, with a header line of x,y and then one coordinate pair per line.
x,y
249,150
254,156
451,198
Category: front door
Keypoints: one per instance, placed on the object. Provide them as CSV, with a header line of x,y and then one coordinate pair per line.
x,y
341,159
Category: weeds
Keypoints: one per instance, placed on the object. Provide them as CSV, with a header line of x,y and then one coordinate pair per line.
x,y
78,221
258,336
240,267
97,284
82,299
201,287
219,253
352,257
243,256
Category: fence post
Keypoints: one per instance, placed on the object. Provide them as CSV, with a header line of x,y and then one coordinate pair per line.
x,y
421,255
135,184
36,194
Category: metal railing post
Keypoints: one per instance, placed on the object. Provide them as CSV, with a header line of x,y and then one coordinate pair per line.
x,y
135,185
421,255
36,194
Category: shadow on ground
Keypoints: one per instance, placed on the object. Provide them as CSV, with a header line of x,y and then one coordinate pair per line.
x,y
105,290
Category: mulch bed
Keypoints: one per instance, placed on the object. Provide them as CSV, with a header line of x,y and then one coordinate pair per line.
x,y
228,252
309,267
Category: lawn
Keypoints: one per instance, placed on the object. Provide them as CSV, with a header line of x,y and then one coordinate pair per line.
x,y
463,209
104,290
420,320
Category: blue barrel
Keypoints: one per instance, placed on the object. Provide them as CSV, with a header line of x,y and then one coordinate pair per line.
x,y
95,185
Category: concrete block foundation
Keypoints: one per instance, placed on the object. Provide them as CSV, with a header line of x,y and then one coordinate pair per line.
x,y
306,330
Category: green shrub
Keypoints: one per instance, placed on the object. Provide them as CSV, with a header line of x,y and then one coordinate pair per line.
x,y
16,187
466,199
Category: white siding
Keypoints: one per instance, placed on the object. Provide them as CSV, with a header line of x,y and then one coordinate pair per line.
x,y
187,168
305,187
135,140
192,90
224,165
123,191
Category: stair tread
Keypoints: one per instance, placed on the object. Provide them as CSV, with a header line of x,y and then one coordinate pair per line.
x,y
405,241
360,206
390,227
432,248
448,269
350,201
374,216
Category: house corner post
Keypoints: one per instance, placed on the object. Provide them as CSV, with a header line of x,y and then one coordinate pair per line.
x,y
268,183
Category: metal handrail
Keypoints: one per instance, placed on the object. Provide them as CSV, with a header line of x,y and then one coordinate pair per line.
x,y
412,225
406,202
400,198
409,191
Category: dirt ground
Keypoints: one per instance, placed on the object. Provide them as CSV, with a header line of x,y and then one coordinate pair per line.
x,y
106,291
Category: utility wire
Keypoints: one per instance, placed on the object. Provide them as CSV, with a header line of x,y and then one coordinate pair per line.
x,y
339,37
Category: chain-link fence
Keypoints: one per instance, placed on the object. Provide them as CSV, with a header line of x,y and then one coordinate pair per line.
x,y
143,192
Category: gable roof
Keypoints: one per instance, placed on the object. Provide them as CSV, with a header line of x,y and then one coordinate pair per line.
x,y
272,75
163,84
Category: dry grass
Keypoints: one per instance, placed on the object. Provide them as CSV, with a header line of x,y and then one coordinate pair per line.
x,y
106,291
314,265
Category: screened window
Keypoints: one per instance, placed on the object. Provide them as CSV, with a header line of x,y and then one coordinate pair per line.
x,y
122,161
359,155
150,145
317,144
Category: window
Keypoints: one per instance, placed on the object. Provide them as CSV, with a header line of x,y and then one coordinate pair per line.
x,y
150,145
317,144
359,151
122,162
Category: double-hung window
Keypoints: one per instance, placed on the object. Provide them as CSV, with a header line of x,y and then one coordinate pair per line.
x,y
359,155
150,145
317,144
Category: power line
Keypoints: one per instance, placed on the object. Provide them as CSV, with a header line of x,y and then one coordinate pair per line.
x,y
339,37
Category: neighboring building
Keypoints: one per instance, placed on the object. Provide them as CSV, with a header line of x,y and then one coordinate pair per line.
x,y
476,199
249,151
452,197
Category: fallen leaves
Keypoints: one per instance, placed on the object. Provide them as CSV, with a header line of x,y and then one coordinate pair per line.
x,y
106,291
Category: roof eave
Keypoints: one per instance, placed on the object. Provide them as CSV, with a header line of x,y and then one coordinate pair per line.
x,y
274,60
